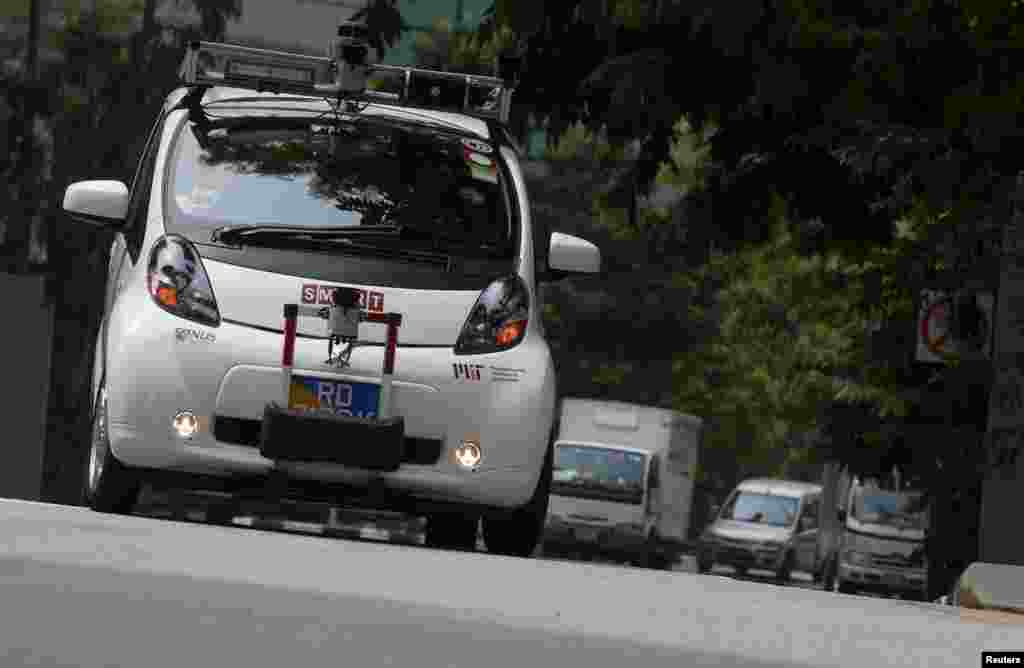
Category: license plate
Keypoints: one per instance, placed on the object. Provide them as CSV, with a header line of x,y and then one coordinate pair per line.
x,y
334,396
586,534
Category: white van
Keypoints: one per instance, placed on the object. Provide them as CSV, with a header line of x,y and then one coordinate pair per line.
x,y
764,524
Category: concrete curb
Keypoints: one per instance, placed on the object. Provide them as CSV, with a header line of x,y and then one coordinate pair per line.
x,y
996,587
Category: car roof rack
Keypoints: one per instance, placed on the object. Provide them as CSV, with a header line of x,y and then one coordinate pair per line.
x,y
209,64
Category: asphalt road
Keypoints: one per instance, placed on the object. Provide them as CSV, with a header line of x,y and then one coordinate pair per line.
x,y
82,589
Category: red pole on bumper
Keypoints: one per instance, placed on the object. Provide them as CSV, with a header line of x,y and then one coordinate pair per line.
x,y
393,321
291,318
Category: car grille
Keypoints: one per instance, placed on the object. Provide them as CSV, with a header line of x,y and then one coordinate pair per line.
x,y
241,431
734,544
890,561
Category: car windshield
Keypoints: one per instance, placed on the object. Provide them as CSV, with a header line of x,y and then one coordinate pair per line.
x,y
769,509
601,473
903,510
334,174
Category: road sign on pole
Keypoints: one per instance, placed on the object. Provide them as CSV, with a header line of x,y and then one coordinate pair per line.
x,y
936,340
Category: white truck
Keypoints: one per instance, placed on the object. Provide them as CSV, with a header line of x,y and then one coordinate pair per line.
x,y
623,482
872,536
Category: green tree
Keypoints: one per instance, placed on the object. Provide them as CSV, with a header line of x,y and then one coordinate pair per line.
x,y
833,110
98,105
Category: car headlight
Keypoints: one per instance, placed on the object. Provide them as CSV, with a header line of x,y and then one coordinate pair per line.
x,y
498,319
178,283
855,557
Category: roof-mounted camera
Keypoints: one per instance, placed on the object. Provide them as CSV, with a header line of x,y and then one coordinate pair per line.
x,y
350,52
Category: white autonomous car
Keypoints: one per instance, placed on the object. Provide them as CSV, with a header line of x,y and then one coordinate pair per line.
x,y
259,192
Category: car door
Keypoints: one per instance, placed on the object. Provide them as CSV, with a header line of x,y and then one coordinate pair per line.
x,y
807,535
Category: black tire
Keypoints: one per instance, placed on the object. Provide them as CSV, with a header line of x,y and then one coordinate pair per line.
x,y
740,570
108,486
785,572
222,512
704,565
828,576
450,531
515,533
653,558
659,562
844,587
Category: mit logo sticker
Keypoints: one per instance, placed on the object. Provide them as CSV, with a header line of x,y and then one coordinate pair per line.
x,y
321,294
467,371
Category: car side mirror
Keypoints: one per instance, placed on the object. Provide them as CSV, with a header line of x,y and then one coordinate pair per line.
x,y
713,512
807,524
571,255
841,514
97,203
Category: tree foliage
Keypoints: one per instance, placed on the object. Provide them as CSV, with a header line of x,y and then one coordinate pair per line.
x,y
86,116
834,108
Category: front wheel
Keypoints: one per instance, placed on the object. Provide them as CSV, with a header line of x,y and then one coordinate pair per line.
x,y
450,531
108,486
828,576
516,533
843,587
785,572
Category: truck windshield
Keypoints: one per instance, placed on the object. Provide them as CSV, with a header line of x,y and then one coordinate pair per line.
x,y
599,473
903,510
769,509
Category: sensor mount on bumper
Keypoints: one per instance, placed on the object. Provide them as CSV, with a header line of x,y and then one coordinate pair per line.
x,y
295,434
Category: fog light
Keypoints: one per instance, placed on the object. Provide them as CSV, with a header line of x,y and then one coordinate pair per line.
x,y
469,454
185,424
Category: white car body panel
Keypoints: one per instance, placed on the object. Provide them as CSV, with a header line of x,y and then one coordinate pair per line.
x,y
253,297
155,364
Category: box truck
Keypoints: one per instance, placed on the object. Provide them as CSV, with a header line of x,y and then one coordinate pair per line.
x,y
872,538
623,482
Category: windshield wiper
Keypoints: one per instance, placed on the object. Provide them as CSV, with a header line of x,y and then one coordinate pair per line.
x,y
342,239
233,234
241,234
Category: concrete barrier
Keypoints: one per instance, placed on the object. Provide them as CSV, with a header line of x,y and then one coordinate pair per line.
x,y
995,587
25,346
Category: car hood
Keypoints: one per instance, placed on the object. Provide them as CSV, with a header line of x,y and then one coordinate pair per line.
x,y
885,530
748,531
256,298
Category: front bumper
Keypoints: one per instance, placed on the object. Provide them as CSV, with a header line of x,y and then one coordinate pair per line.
x,y
151,375
883,580
608,541
740,555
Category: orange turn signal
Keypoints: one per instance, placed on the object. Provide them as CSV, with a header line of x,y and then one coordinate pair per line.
x,y
167,295
509,332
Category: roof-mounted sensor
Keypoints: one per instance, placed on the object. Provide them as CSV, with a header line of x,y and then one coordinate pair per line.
x,y
347,76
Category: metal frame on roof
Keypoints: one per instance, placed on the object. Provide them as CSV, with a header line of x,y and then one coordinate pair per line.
x,y
263,70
